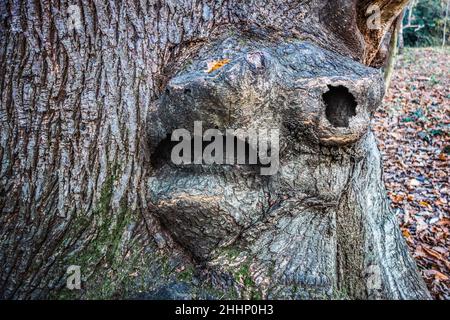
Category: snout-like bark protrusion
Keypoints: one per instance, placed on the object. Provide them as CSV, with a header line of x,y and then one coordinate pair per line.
x,y
312,96
272,85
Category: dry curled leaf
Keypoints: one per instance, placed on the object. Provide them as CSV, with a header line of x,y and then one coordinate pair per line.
x,y
216,64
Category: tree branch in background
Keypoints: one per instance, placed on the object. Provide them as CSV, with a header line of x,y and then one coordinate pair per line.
x,y
387,10
444,36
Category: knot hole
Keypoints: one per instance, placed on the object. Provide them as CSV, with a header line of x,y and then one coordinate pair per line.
x,y
340,105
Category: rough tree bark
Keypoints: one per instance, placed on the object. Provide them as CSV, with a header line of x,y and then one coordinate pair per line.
x,y
84,112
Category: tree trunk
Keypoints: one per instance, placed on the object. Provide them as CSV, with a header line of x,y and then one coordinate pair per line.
x,y
394,47
401,39
86,97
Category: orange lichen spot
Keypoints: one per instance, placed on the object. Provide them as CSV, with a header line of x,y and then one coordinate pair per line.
x,y
216,64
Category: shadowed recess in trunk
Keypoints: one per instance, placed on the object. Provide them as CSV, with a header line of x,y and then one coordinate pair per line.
x,y
340,105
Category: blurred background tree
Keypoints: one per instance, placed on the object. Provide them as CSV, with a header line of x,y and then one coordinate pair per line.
x,y
425,23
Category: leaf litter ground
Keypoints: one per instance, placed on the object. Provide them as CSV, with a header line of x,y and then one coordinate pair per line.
x,y
412,130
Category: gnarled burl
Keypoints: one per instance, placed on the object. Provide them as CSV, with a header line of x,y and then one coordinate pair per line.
x,y
86,176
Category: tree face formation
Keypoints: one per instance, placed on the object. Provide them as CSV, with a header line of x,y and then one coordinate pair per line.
x,y
265,85
90,95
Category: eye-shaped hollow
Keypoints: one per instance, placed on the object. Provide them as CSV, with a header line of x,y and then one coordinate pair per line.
x,y
340,105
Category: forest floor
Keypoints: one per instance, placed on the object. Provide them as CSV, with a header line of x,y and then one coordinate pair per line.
x,y
413,135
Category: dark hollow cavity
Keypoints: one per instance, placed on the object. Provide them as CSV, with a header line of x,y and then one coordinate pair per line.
x,y
162,153
340,105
